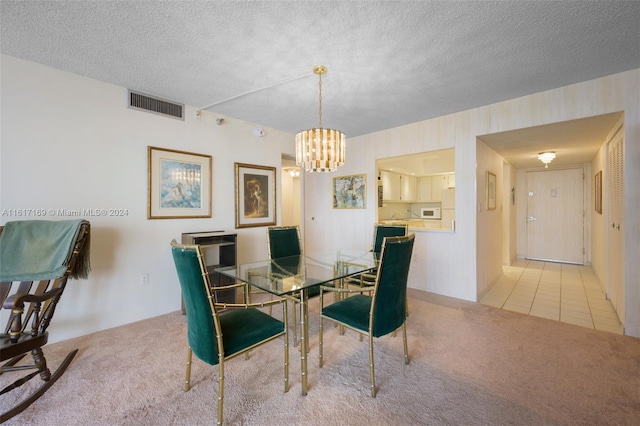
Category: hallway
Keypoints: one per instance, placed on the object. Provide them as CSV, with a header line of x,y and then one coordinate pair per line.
x,y
556,291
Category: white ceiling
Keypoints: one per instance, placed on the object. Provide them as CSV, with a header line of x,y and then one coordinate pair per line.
x,y
574,142
389,63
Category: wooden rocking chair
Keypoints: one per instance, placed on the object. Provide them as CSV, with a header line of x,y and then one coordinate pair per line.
x,y
36,259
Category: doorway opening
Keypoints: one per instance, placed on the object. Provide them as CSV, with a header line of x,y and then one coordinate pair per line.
x,y
585,147
290,189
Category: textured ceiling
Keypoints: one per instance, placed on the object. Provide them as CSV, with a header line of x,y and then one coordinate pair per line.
x,y
574,141
390,63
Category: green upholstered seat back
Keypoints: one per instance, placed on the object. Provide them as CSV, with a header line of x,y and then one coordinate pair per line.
x,y
201,328
381,231
390,297
284,241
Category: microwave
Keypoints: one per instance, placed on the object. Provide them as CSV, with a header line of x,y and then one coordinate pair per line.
x,y
430,213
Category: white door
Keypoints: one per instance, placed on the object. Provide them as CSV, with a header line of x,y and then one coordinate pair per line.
x,y
616,223
555,215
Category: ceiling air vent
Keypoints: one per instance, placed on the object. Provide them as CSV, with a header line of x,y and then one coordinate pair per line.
x,y
156,105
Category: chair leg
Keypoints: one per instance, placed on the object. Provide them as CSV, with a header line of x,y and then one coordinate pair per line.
x,y
187,381
371,366
41,363
320,335
285,316
220,389
295,324
404,338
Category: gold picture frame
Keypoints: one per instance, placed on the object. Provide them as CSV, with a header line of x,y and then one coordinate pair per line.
x,y
598,192
255,195
349,192
491,190
179,184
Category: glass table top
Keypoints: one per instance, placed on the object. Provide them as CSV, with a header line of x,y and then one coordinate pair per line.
x,y
287,275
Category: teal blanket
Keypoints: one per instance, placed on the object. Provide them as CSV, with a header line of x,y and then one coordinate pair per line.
x,y
33,250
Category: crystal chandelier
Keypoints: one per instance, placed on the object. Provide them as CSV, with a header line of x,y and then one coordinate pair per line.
x,y
546,158
318,149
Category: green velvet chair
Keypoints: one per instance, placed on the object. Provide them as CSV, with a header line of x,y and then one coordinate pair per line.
x,y
217,332
385,310
380,232
285,242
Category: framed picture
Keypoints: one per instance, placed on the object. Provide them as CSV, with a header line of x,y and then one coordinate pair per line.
x,y
255,195
179,184
598,191
491,191
349,192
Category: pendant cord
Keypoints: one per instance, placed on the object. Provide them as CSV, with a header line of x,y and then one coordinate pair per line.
x,y
320,101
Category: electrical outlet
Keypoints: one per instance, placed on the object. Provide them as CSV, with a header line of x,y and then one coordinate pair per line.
x,y
144,279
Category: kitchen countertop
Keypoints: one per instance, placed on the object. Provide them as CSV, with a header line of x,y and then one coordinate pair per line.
x,y
420,224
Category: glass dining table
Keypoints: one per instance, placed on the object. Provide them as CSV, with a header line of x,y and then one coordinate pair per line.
x,y
296,275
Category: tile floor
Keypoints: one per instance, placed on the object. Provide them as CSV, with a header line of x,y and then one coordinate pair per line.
x,y
557,291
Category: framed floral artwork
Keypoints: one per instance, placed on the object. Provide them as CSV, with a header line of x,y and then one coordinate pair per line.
x,y
349,192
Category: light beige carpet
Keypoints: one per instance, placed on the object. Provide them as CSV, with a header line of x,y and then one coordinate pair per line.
x,y
470,365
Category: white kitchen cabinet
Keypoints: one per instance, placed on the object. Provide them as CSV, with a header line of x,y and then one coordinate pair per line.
x,y
398,187
452,181
438,183
391,186
409,185
424,188
430,187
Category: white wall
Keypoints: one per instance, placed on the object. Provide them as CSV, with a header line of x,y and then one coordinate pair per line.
x,y
447,263
69,142
436,263
490,229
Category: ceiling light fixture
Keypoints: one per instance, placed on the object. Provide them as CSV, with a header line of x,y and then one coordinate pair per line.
x,y
318,149
546,158
293,171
